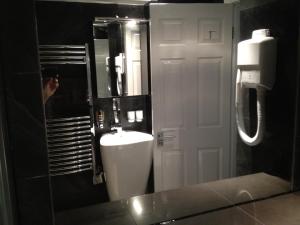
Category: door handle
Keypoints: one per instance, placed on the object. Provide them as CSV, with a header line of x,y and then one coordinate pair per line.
x,y
161,138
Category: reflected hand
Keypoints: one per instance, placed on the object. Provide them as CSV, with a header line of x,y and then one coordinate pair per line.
x,y
49,89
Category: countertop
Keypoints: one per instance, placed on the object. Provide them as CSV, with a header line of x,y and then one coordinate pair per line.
x,y
241,200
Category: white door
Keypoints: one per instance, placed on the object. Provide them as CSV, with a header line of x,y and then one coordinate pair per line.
x,y
133,56
191,47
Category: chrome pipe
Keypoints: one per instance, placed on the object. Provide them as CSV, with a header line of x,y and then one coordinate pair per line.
x,y
71,172
70,158
76,123
69,153
69,138
51,130
69,143
58,135
68,119
70,167
63,46
79,161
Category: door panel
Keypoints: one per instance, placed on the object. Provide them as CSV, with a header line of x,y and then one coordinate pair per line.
x,y
209,164
208,93
172,170
172,92
133,56
171,30
191,48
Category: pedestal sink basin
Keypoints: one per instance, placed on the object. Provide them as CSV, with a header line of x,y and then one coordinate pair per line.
x,y
126,158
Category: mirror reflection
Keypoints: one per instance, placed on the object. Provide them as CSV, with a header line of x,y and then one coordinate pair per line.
x,y
98,148
121,57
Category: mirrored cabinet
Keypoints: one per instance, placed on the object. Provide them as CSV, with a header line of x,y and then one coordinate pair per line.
x,y
121,50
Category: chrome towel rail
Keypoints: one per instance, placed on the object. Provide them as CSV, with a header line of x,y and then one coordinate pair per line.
x,y
71,148
54,140
69,134
68,119
64,134
76,123
63,54
70,151
75,128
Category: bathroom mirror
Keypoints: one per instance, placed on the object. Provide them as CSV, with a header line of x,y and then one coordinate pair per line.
x,y
121,57
191,107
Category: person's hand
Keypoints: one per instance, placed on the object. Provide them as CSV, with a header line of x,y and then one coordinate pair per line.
x,y
50,88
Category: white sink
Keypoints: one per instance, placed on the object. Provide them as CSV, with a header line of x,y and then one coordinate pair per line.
x,y
127,159
124,138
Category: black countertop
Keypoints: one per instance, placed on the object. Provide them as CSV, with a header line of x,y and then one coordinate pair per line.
x,y
203,203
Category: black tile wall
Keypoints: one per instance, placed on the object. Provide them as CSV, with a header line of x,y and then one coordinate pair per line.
x,y
27,130
296,162
296,165
25,112
76,190
24,100
73,22
130,103
8,211
274,154
134,103
34,201
106,105
19,48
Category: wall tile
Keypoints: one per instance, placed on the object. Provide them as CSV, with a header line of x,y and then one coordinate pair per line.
x,y
274,154
34,202
26,126
25,114
20,48
135,103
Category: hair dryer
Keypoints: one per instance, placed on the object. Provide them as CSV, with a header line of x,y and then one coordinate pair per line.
x,y
256,64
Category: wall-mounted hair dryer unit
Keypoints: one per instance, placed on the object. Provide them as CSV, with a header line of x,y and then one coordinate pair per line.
x,y
256,64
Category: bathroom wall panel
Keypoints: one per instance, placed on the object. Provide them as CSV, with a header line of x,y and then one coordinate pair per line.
x,y
34,201
274,154
24,93
27,131
25,112
72,23
296,165
296,153
22,43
